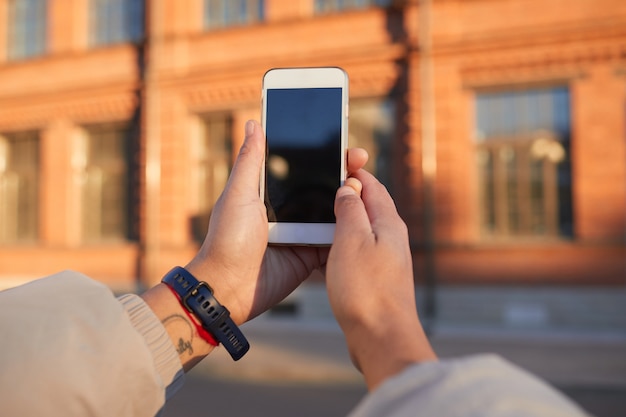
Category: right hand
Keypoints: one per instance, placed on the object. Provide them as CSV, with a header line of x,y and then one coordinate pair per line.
x,y
369,277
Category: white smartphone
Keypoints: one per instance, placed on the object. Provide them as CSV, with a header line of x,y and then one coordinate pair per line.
x,y
305,120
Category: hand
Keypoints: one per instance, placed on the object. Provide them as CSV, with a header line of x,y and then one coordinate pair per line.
x,y
249,277
369,277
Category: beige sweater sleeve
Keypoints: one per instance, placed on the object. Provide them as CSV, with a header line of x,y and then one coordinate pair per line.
x,y
71,348
483,385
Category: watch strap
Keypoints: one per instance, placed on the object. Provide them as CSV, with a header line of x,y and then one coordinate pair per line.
x,y
197,297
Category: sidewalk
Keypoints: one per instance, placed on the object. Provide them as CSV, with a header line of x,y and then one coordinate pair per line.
x,y
575,340
313,352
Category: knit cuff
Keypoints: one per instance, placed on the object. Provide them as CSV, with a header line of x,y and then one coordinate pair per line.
x,y
166,358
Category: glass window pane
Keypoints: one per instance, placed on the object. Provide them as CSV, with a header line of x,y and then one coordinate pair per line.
x,y
213,162
116,21
225,13
105,185
372,127
484,159
27,27
19,187
328,6
561,112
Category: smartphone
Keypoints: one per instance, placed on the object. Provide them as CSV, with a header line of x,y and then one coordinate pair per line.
x,y
305,120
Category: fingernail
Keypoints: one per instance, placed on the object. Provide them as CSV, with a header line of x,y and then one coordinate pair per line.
x,y
345,190
355,184
249,128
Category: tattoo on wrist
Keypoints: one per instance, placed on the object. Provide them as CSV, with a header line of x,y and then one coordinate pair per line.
x,y
185,344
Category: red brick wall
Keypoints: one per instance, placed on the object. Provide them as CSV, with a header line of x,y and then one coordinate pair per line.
x,y
508,44
600,151
477,44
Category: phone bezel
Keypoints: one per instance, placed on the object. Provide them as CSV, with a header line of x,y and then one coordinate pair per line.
x,y
315,234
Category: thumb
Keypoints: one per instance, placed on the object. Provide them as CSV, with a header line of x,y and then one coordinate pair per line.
x,y
350,211
246,171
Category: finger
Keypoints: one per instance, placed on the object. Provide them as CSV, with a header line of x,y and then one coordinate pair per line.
x,y
357,158
246,172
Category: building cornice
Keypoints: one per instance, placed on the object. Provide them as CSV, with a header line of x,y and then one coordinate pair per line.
x,y
541,63
84,110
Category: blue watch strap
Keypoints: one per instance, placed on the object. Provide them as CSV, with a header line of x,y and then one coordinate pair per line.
x,y
197,297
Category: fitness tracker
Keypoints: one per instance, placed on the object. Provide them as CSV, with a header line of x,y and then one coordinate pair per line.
x,y
197,297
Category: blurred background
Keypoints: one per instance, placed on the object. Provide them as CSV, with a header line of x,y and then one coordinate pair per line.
x,y
499,127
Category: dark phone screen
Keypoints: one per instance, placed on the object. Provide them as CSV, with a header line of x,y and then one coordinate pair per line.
x,y
303,163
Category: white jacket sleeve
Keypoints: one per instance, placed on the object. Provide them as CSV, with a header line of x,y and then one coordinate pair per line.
x,y
485,386
70,348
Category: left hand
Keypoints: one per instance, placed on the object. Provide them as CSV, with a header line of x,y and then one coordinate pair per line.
x,y
247,276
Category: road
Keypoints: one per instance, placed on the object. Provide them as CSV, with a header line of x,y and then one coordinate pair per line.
x,y
306,371
208,397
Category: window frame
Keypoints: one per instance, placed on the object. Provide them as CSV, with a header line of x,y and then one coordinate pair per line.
x,y
202,155
93,225
524,164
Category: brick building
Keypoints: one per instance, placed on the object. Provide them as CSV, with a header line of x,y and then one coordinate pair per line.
x,y
498,125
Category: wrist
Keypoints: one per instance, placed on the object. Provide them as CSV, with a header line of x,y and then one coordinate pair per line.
x,y
223,291
200,331
381,351
191,347
198,299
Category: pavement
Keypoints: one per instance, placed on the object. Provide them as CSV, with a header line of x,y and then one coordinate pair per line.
x,y
314,351
568,337
298,350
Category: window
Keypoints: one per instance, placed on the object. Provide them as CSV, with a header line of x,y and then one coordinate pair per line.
x,y
116,21
213,155
27,25
223,13
19,187
328,6
372,127
105,183
523,159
